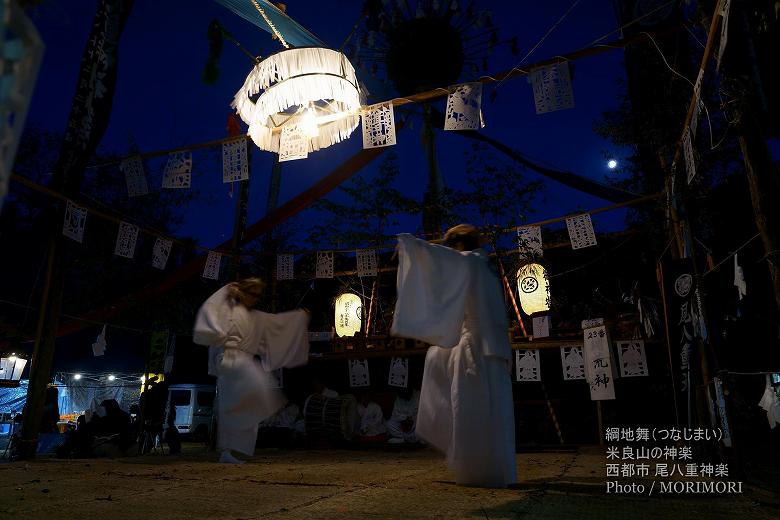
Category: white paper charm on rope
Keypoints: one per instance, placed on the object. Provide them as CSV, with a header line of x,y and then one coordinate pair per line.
x,y
75,220
552,88
234,163
293,143
126,239
631,358
366,262
464,108
572,362
581,231
598,363
690,162
133,168
211,270
527,365
324,264
178,171
541,326
739,278
161,252
284,267
399,372
358,373
99,346
724,29
378,126
529,242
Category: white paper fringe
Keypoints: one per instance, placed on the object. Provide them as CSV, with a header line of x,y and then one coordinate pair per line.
x,y
298,77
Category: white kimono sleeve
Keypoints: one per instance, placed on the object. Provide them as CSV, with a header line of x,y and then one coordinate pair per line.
x,y
432,287
214,319
284,339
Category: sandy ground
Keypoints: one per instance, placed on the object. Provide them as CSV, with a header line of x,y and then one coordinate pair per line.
x,y
342,484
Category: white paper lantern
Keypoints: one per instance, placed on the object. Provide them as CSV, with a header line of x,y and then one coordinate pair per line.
x,y
312,87
348,314
11,367
533,286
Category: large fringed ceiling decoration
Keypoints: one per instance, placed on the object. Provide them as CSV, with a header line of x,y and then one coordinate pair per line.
x,y
312,87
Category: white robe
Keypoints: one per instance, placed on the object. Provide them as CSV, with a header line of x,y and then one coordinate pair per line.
x,y
453,300
237,334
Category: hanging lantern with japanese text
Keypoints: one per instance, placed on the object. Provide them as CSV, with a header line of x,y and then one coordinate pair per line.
x,y
533,286
349,310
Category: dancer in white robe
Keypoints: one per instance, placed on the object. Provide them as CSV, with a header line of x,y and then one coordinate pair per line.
x,y
236,333
450,298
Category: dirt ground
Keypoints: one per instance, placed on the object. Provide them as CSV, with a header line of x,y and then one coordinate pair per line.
x,y
342,484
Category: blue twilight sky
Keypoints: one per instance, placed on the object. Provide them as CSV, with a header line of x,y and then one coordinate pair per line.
x,y
161,102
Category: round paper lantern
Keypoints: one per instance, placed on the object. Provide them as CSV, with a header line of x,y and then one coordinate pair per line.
x,y
533,287
348,314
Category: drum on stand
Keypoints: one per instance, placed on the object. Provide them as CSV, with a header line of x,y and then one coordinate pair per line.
x,y
333,417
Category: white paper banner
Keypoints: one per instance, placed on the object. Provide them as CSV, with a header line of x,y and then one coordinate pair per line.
x,y
126,240
572,362
378,126
75,220
552,88
464,108
739,278
541,326
324,264
178,171
399,372
358,373
284,267
527,365
529,242
133,168
581,231
293,143
598,364
99,346
721,406
161,252
631,358
211,270
366,262
234,162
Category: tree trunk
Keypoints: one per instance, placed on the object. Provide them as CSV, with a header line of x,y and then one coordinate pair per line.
x,y
86,125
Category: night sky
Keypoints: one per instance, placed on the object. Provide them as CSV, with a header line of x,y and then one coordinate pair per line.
x,y
161,102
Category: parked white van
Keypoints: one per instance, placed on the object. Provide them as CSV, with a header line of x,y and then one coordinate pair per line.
x,y
194,405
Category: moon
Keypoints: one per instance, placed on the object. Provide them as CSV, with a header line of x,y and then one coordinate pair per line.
x,y
612,164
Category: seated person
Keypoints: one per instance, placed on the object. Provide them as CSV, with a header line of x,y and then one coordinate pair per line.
x,y
282,428
112,429
400,426
372,422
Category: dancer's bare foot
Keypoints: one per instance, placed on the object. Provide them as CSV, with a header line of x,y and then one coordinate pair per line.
x,y
228,458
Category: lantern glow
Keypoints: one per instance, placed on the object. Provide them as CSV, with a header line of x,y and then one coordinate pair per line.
x,y
533,286
348,317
